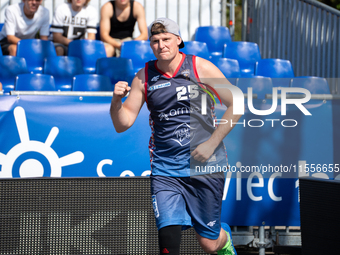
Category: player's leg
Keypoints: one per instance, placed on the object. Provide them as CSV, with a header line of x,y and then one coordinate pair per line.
x,y
229,246
223,244
212,245
170,212
169,239
205,210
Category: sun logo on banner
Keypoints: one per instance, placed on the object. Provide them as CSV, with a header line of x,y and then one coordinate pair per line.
x,y
29,158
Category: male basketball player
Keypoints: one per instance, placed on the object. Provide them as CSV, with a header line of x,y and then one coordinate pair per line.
x,y
182,138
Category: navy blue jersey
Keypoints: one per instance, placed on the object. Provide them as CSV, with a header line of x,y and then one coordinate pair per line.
x,y
176,121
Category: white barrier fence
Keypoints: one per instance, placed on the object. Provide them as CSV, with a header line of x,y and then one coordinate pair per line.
x,y
189,14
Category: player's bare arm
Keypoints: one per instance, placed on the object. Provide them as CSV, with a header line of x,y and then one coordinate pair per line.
x,y
209,74
123,115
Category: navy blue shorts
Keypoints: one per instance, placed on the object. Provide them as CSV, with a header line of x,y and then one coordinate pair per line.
x,y
189,201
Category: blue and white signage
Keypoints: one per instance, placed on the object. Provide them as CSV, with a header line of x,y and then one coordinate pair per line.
x,y
72,136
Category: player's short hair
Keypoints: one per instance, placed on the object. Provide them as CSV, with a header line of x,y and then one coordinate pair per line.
x,y
86,3
158,28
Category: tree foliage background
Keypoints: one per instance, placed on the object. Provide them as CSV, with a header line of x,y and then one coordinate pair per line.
x,y
332,3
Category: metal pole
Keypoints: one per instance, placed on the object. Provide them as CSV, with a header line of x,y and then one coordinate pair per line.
x,y
156,9
200,13
167,8
178,21
244,20
211,12
189,18
224,13
262,249
232,17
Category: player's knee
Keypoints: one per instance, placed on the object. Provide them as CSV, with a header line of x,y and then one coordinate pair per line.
x,y
170,239
209,248
209,245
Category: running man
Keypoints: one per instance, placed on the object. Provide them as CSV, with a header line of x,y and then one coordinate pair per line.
x,y
182,137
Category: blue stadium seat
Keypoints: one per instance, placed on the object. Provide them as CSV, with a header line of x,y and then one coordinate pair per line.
x,y
91,82
280,70
274,68
63,69
1,25
246,53
215,37
35,51
230,68
261,85
315,85
88,51
10,67
35,82
199,49
139,51
117,69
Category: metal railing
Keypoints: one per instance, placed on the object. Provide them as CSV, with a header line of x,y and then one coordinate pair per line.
x,y
306,32
189,14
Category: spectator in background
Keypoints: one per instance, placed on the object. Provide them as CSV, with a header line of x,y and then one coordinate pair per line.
x,y
118,19
23,21
73,20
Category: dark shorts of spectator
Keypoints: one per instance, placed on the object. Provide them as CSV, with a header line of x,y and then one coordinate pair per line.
x,y
4,46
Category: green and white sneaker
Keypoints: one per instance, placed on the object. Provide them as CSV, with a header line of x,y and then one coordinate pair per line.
x,y
229,248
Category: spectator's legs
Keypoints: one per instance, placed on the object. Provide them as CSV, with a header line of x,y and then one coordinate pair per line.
x,y
60,51
12,50
109,50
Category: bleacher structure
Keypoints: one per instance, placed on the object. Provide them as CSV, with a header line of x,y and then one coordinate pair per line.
x,y
280,39
305,32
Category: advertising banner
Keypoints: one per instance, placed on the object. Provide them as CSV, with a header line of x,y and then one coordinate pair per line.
x,y
73,136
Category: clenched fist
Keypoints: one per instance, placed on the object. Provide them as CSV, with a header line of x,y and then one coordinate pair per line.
x,y
121,89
